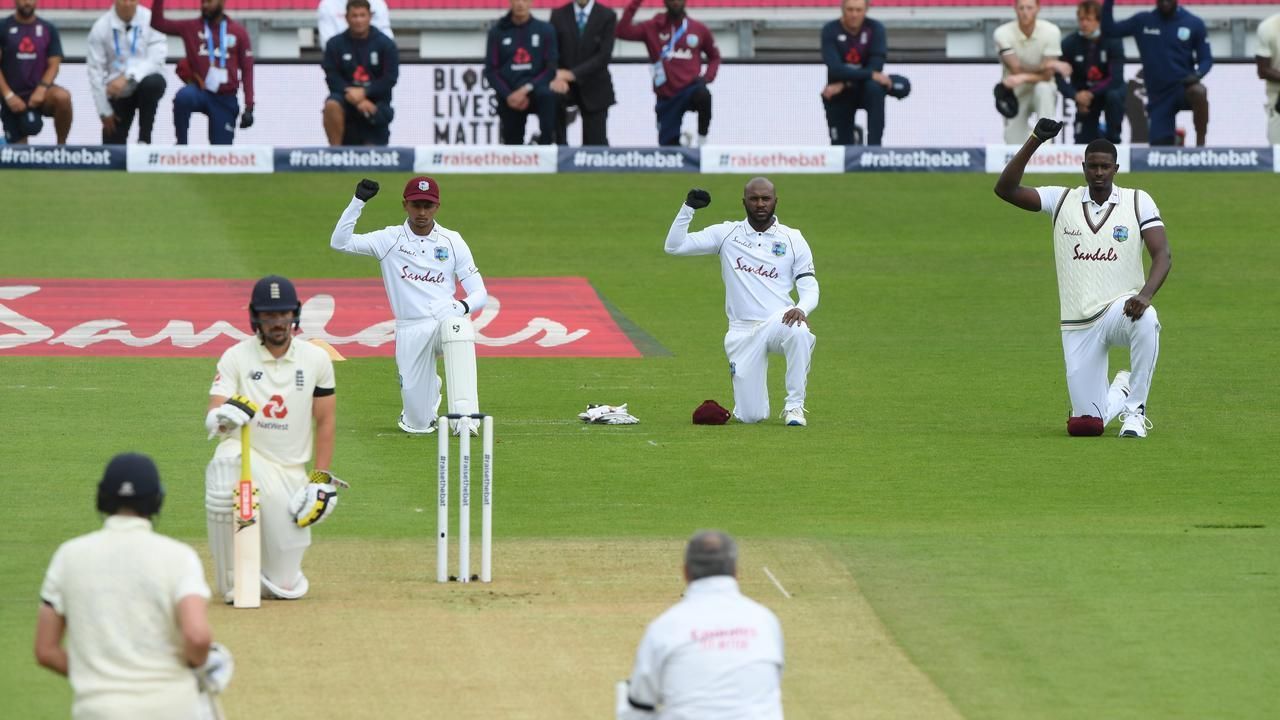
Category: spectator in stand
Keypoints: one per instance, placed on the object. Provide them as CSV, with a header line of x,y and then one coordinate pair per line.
x,y
125,61
584,31
1174,48
361,66
1097,76
854,49
676,45
219,58
520,61
1268,60
30,56
1029,49
331,19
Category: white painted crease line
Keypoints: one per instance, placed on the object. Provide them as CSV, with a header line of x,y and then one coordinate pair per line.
x,y
777,584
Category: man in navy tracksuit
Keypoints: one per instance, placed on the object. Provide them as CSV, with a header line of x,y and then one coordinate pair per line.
x,y
1175,54
361,66
854,49
1097,76
520,61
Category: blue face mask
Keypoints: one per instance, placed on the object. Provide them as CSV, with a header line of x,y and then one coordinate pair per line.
x,y
1095,34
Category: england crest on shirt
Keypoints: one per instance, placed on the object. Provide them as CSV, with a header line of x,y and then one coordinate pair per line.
x,y
442,253
779,248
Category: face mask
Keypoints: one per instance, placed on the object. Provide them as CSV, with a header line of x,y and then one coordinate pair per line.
x,y
1095,34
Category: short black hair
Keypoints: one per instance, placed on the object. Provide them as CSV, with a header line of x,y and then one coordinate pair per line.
x,y
359,4
1102,145
709,553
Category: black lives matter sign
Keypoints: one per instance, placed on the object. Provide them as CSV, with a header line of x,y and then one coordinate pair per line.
x,y
465,107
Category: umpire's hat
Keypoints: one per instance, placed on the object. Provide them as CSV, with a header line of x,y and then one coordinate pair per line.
x,y
131,480
273,293
1006,101
900,87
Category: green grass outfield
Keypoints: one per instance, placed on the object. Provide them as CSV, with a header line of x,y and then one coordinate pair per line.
x,y
1025,573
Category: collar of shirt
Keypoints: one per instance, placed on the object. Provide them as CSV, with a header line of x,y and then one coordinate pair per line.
x,y
1085,197
415,237
771,230
126,523
714,585
585,8
265,355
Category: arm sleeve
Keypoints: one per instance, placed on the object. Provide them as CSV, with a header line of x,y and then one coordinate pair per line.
x,y
493,66
382,17
1049,197
550,57
682,242
55,42
713,59
325,378
1112,28
807,289
1148,213
51,589
191,580
879,50
376,244
332,75
477,296
644,690
627,28
1204,55
157,53
96,67
1053,44
380,88
227,382
160,22
803,271
600,58
244,53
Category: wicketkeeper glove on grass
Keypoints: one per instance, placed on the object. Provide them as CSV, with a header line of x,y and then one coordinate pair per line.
x,y
236,411
316,501
215,674
608,415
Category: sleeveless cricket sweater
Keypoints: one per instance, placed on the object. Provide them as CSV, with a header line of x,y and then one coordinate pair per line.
x,y
1097,261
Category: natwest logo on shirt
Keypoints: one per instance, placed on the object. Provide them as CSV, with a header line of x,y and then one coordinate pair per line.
x,y
765,159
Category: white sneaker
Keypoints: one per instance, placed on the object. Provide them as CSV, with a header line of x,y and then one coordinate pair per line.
x,y
794,417
412,430
1135,424
472,423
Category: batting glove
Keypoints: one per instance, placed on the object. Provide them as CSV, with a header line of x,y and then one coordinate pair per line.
x,y
215,674
366,190
246,120
698,198
315,502
238,410
1047,129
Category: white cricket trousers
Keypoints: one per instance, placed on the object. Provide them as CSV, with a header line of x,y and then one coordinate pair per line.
x,y
1040,98
1273,124
417,347
1085,353
283,542
747,345
178,700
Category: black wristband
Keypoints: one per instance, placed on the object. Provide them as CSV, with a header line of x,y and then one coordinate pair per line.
x,y
466,309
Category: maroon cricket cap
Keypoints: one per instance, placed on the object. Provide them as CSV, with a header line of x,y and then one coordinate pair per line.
x,y
422,188
710,412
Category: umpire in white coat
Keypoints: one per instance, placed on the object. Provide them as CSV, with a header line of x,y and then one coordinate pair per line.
x,y
125,61
715,655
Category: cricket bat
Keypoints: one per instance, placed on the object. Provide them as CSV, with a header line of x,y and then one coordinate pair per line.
x,y
247,591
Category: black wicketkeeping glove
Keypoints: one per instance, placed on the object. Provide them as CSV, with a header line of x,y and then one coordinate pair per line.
x,y
246,120
698,198
1047,129
366,190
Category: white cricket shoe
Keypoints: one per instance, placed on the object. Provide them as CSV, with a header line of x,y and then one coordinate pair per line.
x,y
412,430
794,417
1135,424
471,423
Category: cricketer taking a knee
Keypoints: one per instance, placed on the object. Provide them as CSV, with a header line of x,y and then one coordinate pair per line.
x,y
761,262
278,386
422,264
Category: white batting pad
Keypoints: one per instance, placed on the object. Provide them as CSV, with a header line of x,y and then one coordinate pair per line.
x,y
458,344
220,478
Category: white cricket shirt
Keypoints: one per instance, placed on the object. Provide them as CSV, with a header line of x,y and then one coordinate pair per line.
x,y
1269,48
283,389
759,269
118,590
715,655
1097,248
417,270
1045,41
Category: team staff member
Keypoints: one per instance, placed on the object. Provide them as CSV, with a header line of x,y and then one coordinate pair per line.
x,y
125,60
129,651
1102,295
715,655
1029,49
854,49
422,264
1268,59
30,57
676,44
219,59
1097,76
1174,47
761,261
520,60
331,19
585,31
278,386
361,66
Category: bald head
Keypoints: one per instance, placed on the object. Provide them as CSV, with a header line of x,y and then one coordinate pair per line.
x,y
710,553
759,200
757,185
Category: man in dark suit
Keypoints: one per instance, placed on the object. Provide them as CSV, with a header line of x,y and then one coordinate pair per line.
x,y
584,31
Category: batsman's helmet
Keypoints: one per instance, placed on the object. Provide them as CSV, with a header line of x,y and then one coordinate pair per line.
x,y
900,87
132,481
273,293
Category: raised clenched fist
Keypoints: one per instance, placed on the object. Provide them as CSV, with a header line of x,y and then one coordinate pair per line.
x,y
1047,129
698,198
366,190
